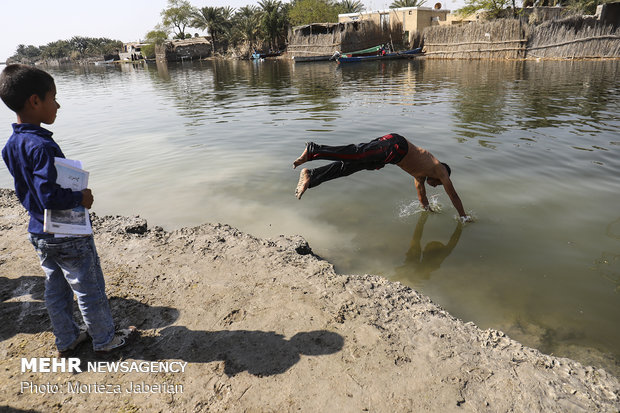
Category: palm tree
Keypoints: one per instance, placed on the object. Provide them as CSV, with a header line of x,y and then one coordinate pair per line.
x,y
406,3
228,14
210,19
351,6
247,24
273,21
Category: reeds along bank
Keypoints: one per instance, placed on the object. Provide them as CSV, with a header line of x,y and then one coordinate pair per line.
x,y
499,39
575,37
572,38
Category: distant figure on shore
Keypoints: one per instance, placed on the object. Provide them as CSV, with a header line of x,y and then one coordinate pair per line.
x,y
70,263
388,149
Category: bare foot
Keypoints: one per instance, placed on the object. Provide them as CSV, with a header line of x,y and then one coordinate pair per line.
x,y
304,182
302,159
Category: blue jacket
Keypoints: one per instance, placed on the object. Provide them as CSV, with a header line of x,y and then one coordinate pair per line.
x,y
29,154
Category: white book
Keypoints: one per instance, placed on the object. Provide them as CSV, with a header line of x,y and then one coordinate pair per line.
x,y
69,221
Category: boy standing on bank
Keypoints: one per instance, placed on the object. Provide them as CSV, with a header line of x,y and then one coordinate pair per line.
x,y
71,264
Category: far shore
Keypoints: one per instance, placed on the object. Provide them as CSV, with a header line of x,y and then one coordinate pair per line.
x,y
265,325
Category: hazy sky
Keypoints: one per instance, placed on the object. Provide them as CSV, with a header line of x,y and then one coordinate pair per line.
x,y
39,22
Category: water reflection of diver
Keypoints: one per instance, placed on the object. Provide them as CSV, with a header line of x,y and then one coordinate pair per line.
x,y
419,264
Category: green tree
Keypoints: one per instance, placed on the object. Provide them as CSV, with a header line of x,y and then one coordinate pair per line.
x,y
153,38
77,47
313,11
406,3
274,22
102,46
228,14
156,36
79,44
493,7
582,6
82,47
350,6
246,25
211,19
26,53
177,16
56,50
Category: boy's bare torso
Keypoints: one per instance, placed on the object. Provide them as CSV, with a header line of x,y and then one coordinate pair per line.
x,y
425,168
419,162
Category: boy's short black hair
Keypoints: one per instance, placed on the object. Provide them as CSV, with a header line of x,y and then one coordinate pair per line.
x,y
19,82
447,168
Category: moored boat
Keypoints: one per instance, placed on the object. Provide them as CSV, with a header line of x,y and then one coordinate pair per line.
x,y
386,56
371,51
321,58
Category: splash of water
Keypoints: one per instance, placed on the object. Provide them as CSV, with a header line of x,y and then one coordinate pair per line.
x,y
470,217
415,207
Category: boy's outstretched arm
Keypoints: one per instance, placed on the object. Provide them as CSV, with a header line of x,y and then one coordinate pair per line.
x,y
421,189
454,197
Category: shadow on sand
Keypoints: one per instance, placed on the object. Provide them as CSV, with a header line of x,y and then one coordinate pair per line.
x,y
22,302
260,353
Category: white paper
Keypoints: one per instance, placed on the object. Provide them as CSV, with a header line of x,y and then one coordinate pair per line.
x,y
69,221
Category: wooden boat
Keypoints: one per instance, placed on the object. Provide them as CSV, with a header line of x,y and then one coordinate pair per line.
x,y
371,51
321,58
104,62
386,56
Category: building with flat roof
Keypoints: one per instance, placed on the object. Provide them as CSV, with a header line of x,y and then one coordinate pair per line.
x,y
412,19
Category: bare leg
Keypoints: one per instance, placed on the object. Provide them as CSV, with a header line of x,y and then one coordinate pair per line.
x,y
302,159
304,182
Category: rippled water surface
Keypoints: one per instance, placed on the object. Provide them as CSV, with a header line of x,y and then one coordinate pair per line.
x,y
534,149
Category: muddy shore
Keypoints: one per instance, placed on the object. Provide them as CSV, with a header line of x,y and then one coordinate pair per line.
x,y
265,325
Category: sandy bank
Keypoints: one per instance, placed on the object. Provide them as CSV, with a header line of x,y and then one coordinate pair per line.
x,y
265,325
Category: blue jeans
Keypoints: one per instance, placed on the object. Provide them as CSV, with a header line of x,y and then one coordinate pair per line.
x,y
71,266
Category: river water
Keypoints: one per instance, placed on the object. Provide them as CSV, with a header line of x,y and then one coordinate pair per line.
x,y
534,149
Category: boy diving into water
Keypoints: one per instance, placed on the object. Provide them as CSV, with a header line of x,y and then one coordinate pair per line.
x,y
392,149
